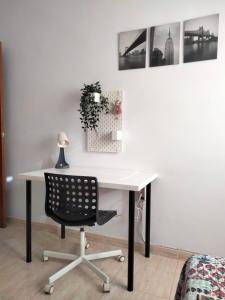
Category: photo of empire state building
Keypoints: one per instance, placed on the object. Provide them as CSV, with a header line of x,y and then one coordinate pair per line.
x,y
164,45
169,50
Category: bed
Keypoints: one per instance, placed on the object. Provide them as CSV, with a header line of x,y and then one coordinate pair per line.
x,y
202,278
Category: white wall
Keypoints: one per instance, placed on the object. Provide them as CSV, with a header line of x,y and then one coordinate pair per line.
x,y
174,117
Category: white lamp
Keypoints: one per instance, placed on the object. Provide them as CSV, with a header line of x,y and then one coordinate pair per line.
x,y
62,143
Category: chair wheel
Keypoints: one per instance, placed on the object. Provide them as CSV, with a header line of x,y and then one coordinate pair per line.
x,y
49,289
87,245
106,287
44,258
121,258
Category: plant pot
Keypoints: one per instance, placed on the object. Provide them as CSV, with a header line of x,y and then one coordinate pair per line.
x,y
96,97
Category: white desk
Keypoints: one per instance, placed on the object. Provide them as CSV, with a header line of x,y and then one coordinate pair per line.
x,y
132,181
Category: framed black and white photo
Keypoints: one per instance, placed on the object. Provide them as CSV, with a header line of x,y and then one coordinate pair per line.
x,y
132,49
164,45
201,38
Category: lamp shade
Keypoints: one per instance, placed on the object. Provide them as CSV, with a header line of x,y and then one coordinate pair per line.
x,y
63,140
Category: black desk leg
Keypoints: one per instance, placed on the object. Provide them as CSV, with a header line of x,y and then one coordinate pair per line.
x,y
28,220
131,242
63,232
147,221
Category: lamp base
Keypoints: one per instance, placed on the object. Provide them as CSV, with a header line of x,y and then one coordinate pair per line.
x,y
61,166
61,163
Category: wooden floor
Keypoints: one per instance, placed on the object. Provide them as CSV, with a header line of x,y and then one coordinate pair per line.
x,y
155,278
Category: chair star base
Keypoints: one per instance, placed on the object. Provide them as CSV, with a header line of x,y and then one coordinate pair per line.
x,y
77,260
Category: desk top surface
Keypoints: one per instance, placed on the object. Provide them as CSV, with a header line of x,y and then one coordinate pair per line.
x,y
107,177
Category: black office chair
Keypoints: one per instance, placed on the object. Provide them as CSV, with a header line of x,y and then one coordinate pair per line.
x,y
73,201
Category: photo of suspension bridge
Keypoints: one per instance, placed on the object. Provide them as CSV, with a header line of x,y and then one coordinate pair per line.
x,y
132,49
201,38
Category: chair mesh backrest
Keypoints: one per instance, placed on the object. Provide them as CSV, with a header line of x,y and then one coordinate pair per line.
x,y
71,198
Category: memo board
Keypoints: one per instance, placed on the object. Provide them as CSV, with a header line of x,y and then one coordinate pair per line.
x,y
101,139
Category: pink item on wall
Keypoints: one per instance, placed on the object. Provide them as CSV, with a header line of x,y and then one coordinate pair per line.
x,y
117,110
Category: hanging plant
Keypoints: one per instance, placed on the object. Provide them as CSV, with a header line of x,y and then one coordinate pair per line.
x,y
92,103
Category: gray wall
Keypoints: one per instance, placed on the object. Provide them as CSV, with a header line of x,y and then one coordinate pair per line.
x,y
174,117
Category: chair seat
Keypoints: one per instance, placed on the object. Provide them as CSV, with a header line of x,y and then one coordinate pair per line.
x,y
105,215
71,222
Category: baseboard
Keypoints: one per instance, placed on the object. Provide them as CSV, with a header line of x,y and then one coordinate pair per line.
x,y
120,243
